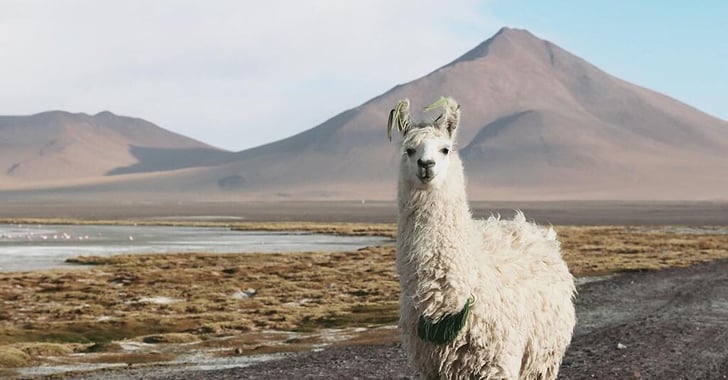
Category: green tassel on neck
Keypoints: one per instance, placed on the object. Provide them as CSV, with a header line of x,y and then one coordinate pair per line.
x,y
445,329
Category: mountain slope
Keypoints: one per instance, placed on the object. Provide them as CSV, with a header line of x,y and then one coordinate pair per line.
x,y
60,146
538,122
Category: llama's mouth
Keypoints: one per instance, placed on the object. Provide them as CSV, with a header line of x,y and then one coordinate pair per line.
x,y
426,177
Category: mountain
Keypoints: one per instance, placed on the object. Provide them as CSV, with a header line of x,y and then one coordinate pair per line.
x,y
60,146
538,123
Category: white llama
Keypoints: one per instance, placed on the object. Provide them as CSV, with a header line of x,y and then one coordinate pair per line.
x,y
481,299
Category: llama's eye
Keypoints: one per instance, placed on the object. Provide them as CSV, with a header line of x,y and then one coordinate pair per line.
x,y
410,152
445,151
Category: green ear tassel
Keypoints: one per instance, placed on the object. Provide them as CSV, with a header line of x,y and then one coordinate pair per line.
x,y
445,329
395,116
438,103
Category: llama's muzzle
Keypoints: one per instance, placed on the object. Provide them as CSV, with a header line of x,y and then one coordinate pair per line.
x,y
424,170
425,174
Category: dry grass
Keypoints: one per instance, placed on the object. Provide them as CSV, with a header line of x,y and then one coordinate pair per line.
x,y
11,357
23,354
170,338
199,299
593,251
175,298
349,229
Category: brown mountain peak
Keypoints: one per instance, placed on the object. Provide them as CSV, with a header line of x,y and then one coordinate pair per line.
x,y
503,43
506,32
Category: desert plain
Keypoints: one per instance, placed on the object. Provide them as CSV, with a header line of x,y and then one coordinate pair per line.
x,y
164,316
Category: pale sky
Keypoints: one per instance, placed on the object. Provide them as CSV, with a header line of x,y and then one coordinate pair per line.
x,y
237,74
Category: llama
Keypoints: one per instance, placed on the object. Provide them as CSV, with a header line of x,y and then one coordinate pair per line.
x,y
483,299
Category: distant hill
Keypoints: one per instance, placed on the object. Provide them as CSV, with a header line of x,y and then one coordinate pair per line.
x,y
58,146
538,123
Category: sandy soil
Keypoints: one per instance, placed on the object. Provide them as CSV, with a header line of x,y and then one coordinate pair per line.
x,y
669,324
557,213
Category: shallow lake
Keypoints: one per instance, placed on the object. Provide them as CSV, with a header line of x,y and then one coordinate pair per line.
x,y
32,247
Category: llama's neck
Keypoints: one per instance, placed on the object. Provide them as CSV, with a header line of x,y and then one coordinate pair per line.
x,y
435,233
430,211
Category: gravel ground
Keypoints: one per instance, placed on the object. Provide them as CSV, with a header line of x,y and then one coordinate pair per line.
x,y
671,324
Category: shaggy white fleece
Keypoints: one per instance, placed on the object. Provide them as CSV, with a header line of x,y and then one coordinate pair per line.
x,y
523,316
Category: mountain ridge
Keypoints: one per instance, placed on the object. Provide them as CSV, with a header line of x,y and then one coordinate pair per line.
x,y
539,123
57,145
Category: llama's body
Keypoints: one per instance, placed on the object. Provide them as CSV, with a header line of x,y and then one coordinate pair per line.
x,y
523,316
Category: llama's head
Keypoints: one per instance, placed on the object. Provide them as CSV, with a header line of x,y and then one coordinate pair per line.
x,y
427,148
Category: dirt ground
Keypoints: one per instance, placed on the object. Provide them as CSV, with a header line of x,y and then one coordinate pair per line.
x,y
670,324
557,213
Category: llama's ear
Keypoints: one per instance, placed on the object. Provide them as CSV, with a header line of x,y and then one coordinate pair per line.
x,y
399,118
450,117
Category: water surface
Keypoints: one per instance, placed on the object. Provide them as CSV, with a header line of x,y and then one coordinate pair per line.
x,y
32,247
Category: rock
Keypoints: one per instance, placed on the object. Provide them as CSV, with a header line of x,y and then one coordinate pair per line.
x,y
244,294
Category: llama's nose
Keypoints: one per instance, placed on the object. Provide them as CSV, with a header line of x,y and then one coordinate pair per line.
x,y
425,164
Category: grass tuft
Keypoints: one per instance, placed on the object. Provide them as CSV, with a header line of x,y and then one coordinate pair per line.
x,y
170,338
11,357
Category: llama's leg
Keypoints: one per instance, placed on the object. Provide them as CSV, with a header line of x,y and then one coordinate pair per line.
x,y
551,371
542,367
505,370
512,361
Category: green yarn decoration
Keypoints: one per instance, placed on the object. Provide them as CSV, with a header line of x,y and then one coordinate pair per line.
x,y
445,329
399,118
439,103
